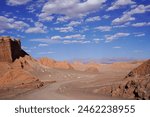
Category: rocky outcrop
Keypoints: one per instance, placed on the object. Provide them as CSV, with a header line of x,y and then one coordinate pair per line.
x,y
142,70
136,84
15,65
133,89
10,49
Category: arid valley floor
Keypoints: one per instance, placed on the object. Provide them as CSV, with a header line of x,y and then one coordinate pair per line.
x,y
26,78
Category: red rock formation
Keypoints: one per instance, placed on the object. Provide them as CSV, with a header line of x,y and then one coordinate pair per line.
x,y
10,49
15,64
47,62
136,84
142,70
55,64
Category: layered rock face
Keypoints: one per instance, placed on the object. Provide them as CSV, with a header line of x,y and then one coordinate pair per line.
x,y
136,84
10,49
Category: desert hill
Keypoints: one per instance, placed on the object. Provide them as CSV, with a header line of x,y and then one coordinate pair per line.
x,y
136,84
17,68
142,70
92,70
20,74
55,64
79,66
89,67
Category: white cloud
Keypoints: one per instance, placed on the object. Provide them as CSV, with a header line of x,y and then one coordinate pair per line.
x,y
42,45
110,38
35,30
122,25
74,23
63,19
10,23
42,40
17,2
75,36
139,34
56,37
123,19
96,40
106,17
119,3
71,8
141,24
34,6
64,29
92,19
117,47
104,28
38,28
45,53
128,16
44,17
75,41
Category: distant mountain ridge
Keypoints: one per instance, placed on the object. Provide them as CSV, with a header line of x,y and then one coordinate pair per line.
x,y
105,60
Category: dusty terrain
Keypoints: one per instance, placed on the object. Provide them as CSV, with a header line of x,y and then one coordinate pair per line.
x,y
70,83
136,85
73,84
23,77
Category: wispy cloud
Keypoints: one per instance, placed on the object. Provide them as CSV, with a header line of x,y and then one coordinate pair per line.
x,y
78,9
64,29
38,28
120,3
17,2
116,36
104,28
42,45
45,53
139,34
128,15
141,24
93,19
117,47
11,23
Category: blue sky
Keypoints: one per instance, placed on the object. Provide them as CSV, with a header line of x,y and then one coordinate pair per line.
x,y
79,29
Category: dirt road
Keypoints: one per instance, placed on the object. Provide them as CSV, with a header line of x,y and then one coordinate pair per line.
x,y
77,88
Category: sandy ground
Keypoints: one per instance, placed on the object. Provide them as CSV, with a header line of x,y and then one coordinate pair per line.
x,y
72,84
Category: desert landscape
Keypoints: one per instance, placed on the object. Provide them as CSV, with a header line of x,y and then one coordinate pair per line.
x,y
24,78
